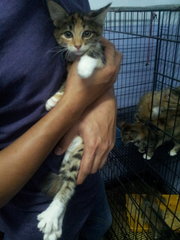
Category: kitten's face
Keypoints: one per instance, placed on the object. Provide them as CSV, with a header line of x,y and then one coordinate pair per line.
x,y
131,132
77,32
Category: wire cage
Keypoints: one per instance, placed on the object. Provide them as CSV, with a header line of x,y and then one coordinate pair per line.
x,y
144,194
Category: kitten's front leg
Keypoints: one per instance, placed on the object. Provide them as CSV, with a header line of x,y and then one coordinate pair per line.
x,y
87,65
174,151
63,187
52,101
150,151
141,146
141,149
147,156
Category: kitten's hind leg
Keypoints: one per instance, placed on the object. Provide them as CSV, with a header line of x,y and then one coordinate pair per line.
x,y
50,221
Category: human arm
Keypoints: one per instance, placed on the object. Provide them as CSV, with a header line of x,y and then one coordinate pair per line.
x,y
97,128
20,160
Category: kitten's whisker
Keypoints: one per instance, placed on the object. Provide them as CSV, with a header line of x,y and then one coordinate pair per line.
x,y
54,49
57,50
63,50
67,54
60,51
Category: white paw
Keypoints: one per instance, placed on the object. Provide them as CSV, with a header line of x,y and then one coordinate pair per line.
x,y
50,221
86,66
52,236
48,225
145,156
51,102
172,153
77,141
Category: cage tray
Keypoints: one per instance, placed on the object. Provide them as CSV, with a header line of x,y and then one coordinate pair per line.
x,y
140,217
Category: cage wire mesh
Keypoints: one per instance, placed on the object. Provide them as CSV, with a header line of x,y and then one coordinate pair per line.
x,y
144,195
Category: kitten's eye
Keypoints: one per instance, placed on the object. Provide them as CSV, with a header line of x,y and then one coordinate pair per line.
x,y
68,34
87,34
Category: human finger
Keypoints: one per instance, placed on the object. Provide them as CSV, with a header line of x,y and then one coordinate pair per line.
x,y
86,165
64,143
98,161
101,155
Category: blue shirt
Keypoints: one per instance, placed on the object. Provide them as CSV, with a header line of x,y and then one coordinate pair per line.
x,y
30,69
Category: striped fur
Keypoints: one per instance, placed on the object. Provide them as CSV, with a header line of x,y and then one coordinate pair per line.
x,y
65,182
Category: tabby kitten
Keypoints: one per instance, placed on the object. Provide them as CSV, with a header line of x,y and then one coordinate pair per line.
x,y
157,113
77,34
141,136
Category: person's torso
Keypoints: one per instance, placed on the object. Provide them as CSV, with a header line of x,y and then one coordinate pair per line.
x,y
30,69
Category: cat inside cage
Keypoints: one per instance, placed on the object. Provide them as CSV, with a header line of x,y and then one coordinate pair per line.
x,y
157,120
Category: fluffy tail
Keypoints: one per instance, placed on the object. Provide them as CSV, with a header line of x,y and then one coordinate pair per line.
x,y
52,184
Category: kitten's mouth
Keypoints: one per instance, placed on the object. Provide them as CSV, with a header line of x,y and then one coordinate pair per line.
x,y
72,55
79,52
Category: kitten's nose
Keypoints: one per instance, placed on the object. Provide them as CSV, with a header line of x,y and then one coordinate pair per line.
x,y
78,46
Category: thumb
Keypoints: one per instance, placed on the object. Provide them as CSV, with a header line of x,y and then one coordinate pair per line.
x,y
64,143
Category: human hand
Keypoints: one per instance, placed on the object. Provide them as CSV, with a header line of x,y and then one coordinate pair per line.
x,y
85,91
97,128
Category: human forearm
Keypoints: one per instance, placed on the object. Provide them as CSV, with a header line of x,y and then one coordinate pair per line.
x,y
20,160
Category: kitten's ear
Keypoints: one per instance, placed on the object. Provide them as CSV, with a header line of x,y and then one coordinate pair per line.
x,y
57,13
100,14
